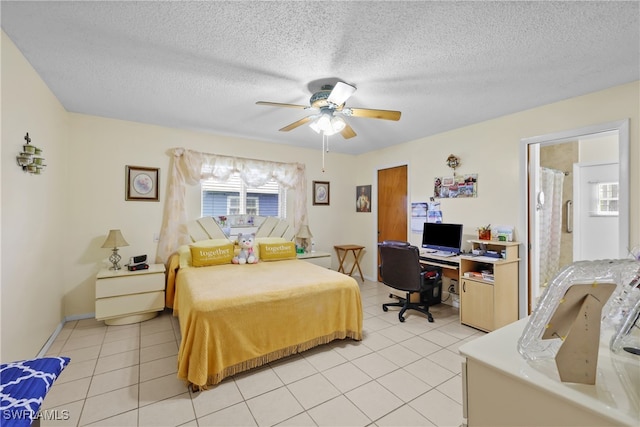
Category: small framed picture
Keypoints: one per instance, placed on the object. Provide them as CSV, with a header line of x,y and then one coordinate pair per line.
x,y
142,183
363,198
321,193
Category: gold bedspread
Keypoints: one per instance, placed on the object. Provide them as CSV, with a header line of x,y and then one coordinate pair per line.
x,y
236,317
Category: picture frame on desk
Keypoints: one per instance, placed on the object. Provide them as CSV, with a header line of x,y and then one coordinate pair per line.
x,y
142,184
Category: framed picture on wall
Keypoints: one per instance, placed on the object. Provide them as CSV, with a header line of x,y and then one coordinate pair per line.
x,y
142,183
363,198
321,193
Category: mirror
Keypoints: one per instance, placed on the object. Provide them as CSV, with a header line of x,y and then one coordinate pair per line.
x,y
530,175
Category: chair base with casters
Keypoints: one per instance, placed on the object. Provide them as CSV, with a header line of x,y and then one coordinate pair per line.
x,y
406,304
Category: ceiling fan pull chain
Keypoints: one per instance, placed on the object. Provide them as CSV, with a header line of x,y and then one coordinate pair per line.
x,y
325,148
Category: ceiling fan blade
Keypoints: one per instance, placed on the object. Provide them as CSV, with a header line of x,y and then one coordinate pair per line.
x,y
296,124
340,93
375,114
277,104
348,132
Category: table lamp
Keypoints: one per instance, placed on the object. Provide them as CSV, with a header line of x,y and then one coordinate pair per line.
x,y
114,241
304,234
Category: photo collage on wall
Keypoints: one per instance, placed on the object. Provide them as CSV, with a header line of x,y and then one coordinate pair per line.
x,y
457,186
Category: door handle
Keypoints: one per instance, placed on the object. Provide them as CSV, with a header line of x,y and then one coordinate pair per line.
x,y
464,286
569,216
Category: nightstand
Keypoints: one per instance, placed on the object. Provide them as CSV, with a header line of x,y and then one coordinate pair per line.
x,y
124,297
323,259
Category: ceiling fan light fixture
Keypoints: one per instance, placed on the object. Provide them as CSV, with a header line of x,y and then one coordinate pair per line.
x,y
338,124
314,125
328,124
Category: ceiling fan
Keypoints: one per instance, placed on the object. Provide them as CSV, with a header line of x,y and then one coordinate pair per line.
x,y
329,109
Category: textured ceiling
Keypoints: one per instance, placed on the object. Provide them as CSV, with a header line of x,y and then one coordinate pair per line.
x,y
203,65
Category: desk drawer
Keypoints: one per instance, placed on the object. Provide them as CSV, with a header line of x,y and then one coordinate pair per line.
x,y
129,304
127,285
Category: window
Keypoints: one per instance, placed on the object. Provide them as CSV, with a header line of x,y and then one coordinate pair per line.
x,y
234,197
607,199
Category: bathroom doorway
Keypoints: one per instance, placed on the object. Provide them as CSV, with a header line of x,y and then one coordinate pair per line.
x,y
562,158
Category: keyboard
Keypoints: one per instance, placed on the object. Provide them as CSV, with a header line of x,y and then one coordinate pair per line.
x,y
439,261
444,254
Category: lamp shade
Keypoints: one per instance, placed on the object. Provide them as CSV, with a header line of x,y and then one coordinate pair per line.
x,y
114,240
304,232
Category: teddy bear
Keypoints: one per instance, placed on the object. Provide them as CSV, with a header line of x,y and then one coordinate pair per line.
x,y
246,255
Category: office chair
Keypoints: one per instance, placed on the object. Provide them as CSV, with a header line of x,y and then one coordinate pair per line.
x,y
400,268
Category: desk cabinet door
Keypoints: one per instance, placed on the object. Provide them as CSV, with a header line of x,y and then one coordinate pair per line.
x,y
476,304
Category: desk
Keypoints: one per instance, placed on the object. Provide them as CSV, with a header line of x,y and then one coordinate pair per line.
x,y
342,251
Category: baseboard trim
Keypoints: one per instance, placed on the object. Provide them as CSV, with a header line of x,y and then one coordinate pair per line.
x,y
55,333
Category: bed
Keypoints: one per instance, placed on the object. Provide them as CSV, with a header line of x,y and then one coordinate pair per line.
x,y
237,317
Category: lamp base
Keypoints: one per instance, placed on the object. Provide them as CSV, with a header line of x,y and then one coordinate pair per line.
x,y
115,259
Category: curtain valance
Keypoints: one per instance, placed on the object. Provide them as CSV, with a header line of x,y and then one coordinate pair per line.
x,y
189,167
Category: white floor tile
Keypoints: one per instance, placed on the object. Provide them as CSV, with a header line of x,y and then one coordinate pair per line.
x,y
274,407
257,381
223,395
237,415
114,380
127,419
375,365
452,388
313,390
293,368
338,412
374,400
438,409
405,416
109,404
404,384
448,359
161,388
429,372
117,361
158,368
170,412
346,377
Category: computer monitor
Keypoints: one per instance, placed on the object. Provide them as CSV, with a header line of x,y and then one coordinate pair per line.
x,y
442,237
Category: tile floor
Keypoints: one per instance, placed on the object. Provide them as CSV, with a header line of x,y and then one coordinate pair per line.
x,y
400,374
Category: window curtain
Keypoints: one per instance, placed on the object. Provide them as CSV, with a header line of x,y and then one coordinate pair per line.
x,y
190,167
550,230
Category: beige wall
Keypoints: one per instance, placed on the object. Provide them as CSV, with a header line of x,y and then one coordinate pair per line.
x,y
57,222
34,210
103,147
491,149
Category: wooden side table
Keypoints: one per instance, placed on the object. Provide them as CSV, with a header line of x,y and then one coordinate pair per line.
x,y
342,251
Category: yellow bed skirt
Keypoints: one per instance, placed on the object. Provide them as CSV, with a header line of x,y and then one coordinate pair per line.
x,y
237,317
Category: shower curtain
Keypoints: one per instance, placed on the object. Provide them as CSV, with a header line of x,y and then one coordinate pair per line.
x,y
550,217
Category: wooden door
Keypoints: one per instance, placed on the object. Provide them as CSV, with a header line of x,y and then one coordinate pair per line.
x,y
392,205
